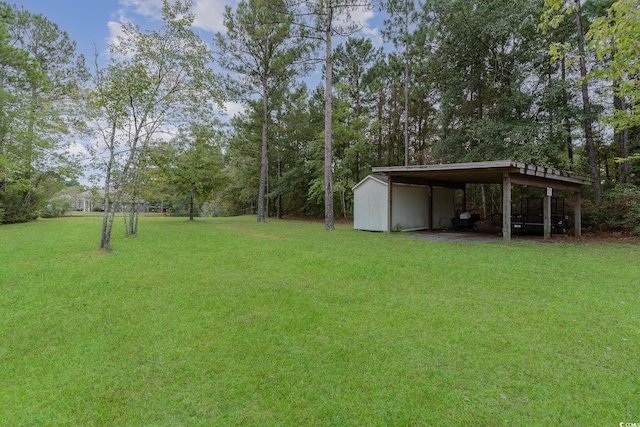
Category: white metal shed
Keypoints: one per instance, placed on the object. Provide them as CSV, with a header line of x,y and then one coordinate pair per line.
x,y
410,207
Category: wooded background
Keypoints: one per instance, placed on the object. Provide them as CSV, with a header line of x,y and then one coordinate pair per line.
x,y
553,83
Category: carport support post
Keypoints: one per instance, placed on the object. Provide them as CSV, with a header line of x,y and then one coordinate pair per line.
x,y
546,220
464,197
506,208
577,215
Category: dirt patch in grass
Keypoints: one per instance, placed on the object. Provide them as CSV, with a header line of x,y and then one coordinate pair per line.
x,y
487,234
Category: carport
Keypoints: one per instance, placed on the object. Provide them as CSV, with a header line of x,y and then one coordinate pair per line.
x,y
505,172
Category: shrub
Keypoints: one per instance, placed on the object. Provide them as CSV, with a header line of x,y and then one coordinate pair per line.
x,y
57,207
619,211
18,205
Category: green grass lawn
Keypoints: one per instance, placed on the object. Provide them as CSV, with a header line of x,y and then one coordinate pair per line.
x,y
229,322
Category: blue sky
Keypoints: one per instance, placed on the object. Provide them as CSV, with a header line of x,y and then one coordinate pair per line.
x,y
95,22
92,24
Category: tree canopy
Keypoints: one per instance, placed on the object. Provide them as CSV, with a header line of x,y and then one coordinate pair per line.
x,y
40,78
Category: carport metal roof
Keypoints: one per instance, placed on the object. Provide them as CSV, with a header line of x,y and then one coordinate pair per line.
x,y
505,172
457,174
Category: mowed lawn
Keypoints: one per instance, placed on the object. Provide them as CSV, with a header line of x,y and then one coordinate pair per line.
x,y
229,322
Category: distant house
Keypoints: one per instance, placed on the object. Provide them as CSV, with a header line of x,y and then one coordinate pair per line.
x,y
410,206
93,200
85,202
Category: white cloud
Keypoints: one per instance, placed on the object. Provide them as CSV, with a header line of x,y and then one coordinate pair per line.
x,y
115,31
148,8
77,149
233,108
209,14
361,17
374,35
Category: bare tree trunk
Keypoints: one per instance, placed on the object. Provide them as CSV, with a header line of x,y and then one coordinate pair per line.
x,y
328,116
111,217
30,147
107,217
263,157
621,136
406,83
125,220
107,220
567,123
136,218
379,136
586,108
132,226
268,199
105,238
480,104
192,197
132,217
279,213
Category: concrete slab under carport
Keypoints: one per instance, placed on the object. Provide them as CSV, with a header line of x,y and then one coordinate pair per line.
x,y
505,172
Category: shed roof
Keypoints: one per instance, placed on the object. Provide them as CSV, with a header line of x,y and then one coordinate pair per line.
x,y
382,179
458,174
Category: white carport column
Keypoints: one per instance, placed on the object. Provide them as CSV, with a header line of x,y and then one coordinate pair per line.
x,y
506,208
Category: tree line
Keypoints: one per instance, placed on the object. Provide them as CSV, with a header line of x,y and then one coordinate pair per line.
x,y
548,82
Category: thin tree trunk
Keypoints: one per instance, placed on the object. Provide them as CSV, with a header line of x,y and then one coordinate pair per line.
x,y
192,197
379,133
567,122
621,136
279,214
328,136
105,239
136,218
263,156
126,222
480,105
107,217
30,147
132,218
586,108
132,228
406,83
135,206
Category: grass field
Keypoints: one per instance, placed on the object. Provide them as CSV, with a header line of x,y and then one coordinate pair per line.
x,y
228,322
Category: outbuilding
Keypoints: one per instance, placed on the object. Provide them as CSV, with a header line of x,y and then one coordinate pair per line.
x,y
458,175
411,207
